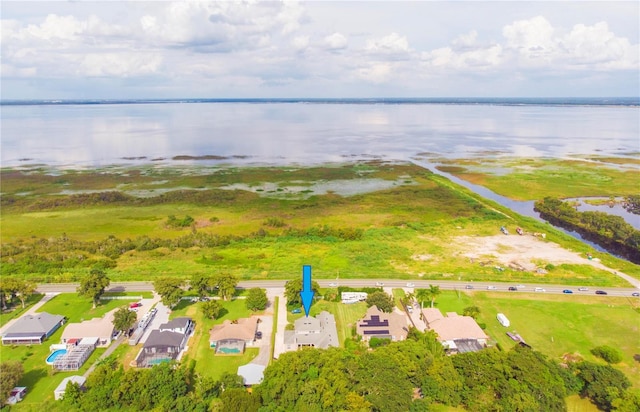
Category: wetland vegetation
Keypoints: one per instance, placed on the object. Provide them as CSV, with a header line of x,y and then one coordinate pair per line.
x,y
407,230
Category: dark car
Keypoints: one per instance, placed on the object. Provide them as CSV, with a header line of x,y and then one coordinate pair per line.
x,y
469,287
567,291
635,294
600,292
258,335
513,288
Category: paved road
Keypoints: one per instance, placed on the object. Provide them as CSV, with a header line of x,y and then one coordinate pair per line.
x,y
445,285
281,321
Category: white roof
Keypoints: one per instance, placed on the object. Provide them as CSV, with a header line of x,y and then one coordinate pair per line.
x,y
252,373
77,379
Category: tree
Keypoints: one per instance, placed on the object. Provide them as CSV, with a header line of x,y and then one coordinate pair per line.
x,y
472,311
383,301
211,309
256,299
169,289
226,284
10,373
24,289
607,353
123,319
603,384
94,285
238,399
428,294
201,284
293,288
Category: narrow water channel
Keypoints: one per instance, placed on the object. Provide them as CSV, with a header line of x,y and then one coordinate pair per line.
x,y
524,208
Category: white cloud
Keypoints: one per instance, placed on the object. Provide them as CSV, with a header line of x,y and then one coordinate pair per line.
x,y
376,73
123,64
391,44
335,41
300,43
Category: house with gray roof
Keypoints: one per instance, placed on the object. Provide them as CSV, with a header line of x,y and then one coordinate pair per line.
x,y
32,329
165,344
319,332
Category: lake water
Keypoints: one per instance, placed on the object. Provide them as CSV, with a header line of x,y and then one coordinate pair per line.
x,y
309,131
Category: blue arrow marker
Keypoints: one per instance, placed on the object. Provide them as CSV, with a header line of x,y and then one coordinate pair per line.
x,y
306,293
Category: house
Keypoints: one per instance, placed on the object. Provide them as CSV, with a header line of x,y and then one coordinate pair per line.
x,y
182,325
165,344
61,389
353,297
458,334
230,338
32,329
377,324
319,332
100,328
251,373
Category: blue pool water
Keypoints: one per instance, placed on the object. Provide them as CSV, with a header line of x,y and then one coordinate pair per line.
x,y
54,355
159,361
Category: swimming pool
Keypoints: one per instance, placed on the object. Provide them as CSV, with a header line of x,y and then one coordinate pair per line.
x,y
54,355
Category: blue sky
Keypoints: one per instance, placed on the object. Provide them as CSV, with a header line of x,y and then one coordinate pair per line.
x,y
161,49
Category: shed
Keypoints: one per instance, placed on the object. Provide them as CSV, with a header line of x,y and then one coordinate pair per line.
x,y
59,392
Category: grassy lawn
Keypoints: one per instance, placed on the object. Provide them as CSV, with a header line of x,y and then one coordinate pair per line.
x,y
556,324
133,295
17,310
577,404
77,308
208,364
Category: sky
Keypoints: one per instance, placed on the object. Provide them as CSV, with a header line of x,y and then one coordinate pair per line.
x,y
318,49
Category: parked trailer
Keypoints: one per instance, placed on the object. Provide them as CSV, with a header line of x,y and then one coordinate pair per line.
x,y
503,320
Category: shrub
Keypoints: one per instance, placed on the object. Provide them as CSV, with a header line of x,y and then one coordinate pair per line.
x,y
607,353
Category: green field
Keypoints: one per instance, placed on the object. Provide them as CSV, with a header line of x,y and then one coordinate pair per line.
x,y
556,324
536,178
16,311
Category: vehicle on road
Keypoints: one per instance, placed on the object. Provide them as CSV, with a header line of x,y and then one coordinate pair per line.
x,y
539,290
567,291
296,311
409,309
135,305
333,284
379,284
583,289
469,287
600,292
491,288
411,285
635,294
513,288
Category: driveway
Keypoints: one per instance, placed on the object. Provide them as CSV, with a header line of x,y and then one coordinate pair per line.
x,y
282,319
162,316
265,326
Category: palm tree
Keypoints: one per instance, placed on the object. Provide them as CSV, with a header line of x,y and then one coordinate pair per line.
x,y
422,295
434,291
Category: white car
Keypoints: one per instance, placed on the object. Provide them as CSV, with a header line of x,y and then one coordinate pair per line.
x,y
411,285
491,288
379,284
539,290
583,289
333,284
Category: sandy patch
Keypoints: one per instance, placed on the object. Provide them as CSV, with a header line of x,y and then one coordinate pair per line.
x,y
519,252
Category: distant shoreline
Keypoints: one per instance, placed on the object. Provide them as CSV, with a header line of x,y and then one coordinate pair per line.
x,y
502,101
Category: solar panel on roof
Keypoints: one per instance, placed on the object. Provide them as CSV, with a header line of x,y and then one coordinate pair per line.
x,y
376,332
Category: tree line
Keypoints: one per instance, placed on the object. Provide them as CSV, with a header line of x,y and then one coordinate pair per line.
x,y
59,254
608,230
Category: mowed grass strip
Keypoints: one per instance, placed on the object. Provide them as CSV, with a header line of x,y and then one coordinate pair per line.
x,y
558,324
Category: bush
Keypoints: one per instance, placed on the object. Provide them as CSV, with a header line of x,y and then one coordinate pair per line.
x,y
377,342
607,353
